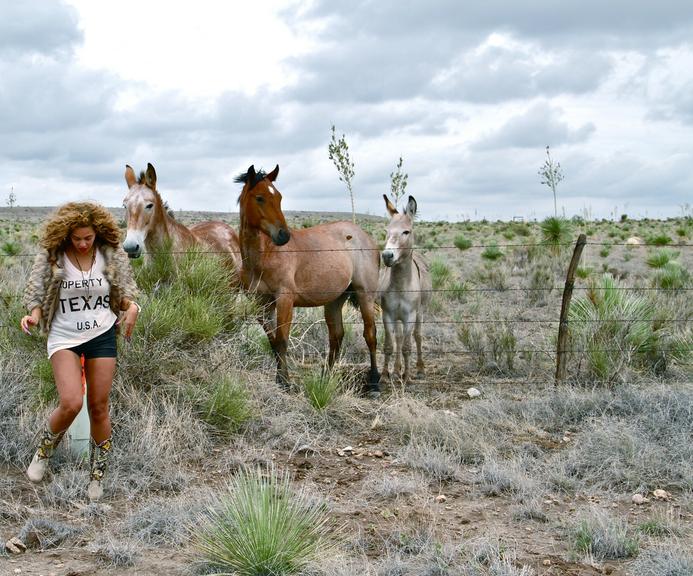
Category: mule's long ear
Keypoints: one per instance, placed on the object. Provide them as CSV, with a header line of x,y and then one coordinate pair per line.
x,y
410,210
272,176
150,177
390,206
130,177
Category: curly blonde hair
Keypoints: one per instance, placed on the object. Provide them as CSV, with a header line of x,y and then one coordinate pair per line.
x,y
73,215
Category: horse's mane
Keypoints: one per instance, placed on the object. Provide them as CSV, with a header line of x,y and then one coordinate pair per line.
x,y
243,178
164,203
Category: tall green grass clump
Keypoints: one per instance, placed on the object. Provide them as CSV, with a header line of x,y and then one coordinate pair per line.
x,y
555,233
618,329
659,239
261,527
604,538
321,387
440,273
226,405
190,298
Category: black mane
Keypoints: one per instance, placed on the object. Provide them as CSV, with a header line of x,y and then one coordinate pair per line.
x,y
243,178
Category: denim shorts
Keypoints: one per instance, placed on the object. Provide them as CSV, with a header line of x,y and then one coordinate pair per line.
x,y
101,346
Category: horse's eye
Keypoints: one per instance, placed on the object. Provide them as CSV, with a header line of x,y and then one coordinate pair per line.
x,y
406,232
149,206
259,199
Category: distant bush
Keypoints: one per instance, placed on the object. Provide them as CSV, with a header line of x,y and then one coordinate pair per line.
x,y
462,242
661,257
492,252
659,240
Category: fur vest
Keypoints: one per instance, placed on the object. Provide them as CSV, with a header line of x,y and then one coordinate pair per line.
x,y
43,286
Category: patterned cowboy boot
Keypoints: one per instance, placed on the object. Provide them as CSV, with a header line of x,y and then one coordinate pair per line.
x,y
39,463
99,460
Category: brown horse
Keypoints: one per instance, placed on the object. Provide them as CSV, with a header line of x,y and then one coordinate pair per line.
x,y
151,226
319,266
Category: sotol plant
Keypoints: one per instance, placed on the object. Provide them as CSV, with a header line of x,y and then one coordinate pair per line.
x,y
551,175
261,526
618,329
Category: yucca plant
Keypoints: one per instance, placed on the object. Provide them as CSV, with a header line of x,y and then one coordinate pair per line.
x,y
617,329
671,276
321,387
260,526
660,258
555,232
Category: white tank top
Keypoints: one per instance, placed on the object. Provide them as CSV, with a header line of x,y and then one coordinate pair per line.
x,y
83,310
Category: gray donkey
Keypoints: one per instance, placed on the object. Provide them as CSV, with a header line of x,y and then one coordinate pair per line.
x,y
404,289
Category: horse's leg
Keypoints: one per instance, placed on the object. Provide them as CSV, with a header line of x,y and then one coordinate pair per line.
x,y
417,337
284,307
335,327
390,327
367,308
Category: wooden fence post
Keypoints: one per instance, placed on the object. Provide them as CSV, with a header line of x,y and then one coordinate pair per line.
x,y
565,306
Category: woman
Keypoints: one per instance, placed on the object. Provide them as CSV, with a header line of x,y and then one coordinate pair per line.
x,y
80,283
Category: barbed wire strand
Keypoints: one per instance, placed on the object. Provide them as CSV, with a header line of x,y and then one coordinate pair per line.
x,y
415,248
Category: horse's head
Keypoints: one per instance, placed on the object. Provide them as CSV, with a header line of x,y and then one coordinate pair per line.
x,y
261,205
400,233
142,204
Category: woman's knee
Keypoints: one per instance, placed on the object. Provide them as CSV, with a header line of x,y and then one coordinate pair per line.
x,y
71,406
98,410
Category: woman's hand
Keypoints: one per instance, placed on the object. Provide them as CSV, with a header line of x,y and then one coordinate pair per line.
x,y
30,320
127,322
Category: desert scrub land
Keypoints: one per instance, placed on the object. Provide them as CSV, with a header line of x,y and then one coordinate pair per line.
x,y
217,470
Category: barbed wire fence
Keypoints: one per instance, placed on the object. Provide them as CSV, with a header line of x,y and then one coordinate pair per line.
x,y
562,348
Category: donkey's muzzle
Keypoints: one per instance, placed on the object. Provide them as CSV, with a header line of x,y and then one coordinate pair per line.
x,y
388,257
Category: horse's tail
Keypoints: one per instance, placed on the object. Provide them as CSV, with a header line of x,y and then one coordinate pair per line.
x,y
352,296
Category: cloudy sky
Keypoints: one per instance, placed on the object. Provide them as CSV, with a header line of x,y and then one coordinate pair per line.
x,y
469,94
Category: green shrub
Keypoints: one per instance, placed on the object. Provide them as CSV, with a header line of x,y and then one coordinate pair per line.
x,y
659,240
10,248
583,272
604,252
492,252
260,526
462,242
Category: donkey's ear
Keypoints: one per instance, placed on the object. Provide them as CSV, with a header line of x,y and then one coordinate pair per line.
x,y
390,206
410,210
150,177
272,176
130,177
